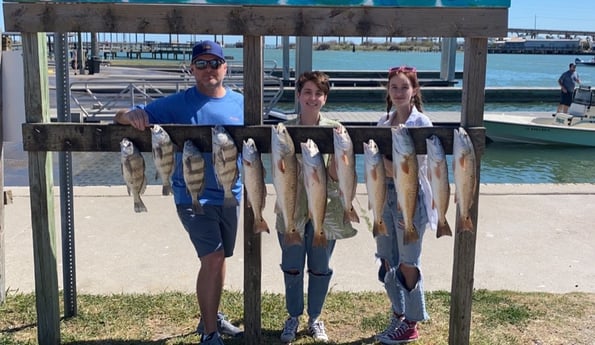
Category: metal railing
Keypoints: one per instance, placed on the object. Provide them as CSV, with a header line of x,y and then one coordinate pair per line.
x,y
98,99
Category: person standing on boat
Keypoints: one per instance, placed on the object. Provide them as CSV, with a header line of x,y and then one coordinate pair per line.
x,y
567,82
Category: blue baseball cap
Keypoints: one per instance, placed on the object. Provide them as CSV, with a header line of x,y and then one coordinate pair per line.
x,y
207,47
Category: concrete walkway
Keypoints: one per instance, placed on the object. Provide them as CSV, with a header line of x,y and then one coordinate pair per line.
x,y
530,238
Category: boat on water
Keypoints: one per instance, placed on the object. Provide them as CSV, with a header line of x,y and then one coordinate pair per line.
x,y
576,128
580,61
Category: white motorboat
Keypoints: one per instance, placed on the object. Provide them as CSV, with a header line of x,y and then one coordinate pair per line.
x,y
577,127
579,61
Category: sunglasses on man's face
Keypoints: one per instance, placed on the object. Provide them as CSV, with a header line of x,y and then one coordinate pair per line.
x,y
214,64
402,69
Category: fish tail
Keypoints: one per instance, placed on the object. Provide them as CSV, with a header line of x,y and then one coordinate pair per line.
x,y
319,239
443,229
350,215
411,235
379,228
261,226
166,189
466,223
230,201
197,207
292,238
139,205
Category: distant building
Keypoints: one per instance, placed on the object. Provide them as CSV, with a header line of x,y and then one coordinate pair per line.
x,y
536,46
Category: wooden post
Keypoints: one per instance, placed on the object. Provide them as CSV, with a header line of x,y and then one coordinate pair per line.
x,y
41,193
464,247
253,72
2,242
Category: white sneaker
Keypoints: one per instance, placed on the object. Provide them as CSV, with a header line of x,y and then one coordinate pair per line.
x,y
316,329
290,329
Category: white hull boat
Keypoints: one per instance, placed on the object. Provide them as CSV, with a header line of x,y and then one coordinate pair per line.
x,y
577,127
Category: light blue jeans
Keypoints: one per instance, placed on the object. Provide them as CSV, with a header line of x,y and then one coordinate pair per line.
x,y
391,250
293,260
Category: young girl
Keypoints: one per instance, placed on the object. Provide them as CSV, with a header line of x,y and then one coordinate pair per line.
x,y
400,269
312,90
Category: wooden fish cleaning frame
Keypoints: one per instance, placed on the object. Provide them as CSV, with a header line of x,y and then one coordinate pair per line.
x,y
34,19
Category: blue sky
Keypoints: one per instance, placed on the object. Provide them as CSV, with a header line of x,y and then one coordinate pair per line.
x,y
541,14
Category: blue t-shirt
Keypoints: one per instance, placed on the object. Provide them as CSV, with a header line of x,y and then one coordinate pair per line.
x,y
192,107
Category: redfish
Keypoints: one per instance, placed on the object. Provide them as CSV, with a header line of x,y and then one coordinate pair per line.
x,y
405,168
253,175
464,168
375,176
437,171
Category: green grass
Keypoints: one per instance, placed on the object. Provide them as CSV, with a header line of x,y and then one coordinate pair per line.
x,y
498,317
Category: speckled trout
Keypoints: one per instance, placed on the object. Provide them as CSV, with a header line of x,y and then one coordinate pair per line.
x,y
375,175
256,190
406,180
464,168
314,172
133,171
437,171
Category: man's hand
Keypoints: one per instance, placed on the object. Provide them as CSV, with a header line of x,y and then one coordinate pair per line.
x,y
137,118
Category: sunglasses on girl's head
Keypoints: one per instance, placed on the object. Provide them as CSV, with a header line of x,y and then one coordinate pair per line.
x,y
402,69
214,64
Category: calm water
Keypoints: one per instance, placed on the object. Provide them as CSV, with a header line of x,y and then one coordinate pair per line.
x,y
501,163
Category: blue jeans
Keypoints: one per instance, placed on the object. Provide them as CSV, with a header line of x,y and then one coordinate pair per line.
x,y
392,253
293,260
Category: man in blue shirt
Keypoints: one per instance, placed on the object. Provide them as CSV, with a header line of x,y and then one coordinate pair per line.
x,y
214,233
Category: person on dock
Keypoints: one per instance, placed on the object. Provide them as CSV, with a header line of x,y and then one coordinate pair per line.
x,y
214,233
400,269
312,90
567,82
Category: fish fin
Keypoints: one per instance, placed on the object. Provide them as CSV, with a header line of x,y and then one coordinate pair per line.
x,y
143,186
261,226
405,167
292,237
350,215
411,235
139,205
345,158
443,229
281,165
197,207
166,189
319,239
433,204
437,172
230,202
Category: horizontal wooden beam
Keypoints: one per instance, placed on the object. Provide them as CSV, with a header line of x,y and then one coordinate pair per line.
x,y
361,21
107,137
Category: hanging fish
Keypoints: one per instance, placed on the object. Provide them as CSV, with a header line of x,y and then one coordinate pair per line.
x,y
345,160
314,172
225,155
375,177
163,156
194,174
437,171
133,171
256,190
464,168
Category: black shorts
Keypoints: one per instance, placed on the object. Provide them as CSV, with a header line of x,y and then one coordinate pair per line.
x,y
566,98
